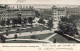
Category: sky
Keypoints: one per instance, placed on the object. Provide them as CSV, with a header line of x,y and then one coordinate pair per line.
x,y
61,2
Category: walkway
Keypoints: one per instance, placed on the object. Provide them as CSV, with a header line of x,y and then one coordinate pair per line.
x,y
31,40
15,29
50,37
72,37
33,33
29,33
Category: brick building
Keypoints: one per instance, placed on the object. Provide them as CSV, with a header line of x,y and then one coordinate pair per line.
x,y
7,12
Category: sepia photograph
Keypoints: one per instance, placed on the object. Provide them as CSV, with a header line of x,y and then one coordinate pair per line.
x,y
39,23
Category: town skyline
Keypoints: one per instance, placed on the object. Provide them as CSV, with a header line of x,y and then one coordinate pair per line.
x,y
41,5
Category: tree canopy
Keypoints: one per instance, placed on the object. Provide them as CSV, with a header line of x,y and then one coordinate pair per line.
x,y
68,25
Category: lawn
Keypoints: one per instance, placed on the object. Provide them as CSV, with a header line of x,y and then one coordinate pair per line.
x,y
25,41
61,39
38,28
12,28
40,37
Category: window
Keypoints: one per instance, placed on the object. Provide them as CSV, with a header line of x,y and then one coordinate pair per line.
x,y
58,17
4,18
54,14
55,17
55,20
58,14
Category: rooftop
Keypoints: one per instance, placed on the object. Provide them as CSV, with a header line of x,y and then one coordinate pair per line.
x,y
2,6
60,9
20,10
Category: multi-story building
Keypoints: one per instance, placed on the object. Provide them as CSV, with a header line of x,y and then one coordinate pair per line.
x,y
57,14
72,11
7,12
63,12
2,11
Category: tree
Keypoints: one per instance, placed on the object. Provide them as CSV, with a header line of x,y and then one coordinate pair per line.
x,y
50,24
2,22
8,22
18,30
14,22
7,33
37,13
54,41
24,21
15,36
33,37
19,20
68,26
3,39
30,20
41,21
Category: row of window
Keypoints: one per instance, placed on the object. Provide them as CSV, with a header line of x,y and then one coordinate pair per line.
x,y
58,17
10,18
15,15
59,14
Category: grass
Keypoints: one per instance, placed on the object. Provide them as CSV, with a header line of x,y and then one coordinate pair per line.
x,y
38,28
61,39
41,36
25,41
12,28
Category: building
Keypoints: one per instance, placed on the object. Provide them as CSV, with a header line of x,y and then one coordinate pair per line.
x,y
7,12
2,11
72,11
57,14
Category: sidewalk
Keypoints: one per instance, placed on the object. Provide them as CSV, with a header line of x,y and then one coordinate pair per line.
x,y
50,37
14,30
72,37
29,33
31,40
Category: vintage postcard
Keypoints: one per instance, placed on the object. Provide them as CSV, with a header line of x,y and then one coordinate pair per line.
x,y
39,25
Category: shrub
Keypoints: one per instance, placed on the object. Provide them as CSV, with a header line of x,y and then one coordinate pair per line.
x,y
33,37
15,36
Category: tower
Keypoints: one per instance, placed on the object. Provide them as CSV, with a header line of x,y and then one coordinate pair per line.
x,y
55,16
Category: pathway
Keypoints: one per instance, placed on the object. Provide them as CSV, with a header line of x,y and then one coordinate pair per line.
x,y
50,37
15,29
31,40
29,33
